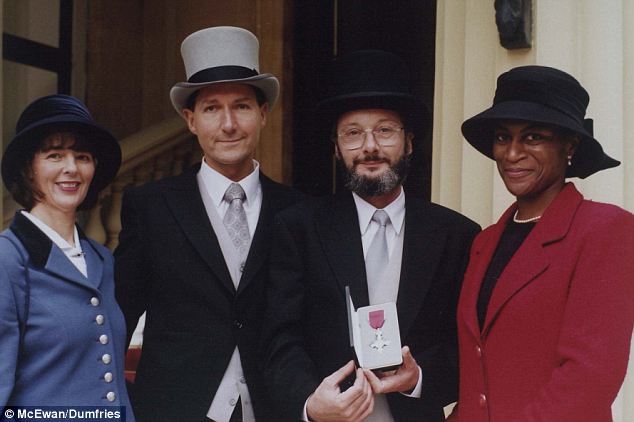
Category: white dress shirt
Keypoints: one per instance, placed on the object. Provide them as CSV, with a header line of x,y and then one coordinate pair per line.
x,y
395,210
233,384
74,253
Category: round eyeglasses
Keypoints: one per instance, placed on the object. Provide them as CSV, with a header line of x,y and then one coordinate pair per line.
x,y
354,137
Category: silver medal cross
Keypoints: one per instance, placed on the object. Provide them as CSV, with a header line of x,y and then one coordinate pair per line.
x,y
379,342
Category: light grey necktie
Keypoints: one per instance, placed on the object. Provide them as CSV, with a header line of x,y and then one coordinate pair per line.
x,y
377,259
235,219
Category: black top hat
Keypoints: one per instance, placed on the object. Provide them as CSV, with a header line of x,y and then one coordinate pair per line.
x,y
544,95
52,113
367,79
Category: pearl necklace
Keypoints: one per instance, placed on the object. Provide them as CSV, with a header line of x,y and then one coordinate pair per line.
x,y
528,220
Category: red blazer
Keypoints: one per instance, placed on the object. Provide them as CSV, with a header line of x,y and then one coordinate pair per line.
x,y
555,343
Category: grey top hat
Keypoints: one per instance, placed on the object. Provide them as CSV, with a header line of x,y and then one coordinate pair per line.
x,y
222,54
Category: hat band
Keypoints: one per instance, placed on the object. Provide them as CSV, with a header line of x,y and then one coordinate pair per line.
x,y
51,107
535,92
221,73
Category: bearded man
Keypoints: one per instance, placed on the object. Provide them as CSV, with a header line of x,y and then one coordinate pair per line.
x,y
324,244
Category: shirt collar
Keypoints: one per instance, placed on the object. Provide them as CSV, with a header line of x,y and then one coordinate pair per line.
x,y
216,184
61,243
395,210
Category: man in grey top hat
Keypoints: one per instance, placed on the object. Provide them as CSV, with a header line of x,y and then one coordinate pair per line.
x,y
193,249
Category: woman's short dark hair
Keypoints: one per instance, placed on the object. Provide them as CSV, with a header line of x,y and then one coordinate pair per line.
x,y
22,188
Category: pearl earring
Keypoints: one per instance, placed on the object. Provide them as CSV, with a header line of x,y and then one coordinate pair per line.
x,y
569,160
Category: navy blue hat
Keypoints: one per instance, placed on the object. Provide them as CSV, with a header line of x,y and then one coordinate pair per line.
x,y
367,79
544,95
56,113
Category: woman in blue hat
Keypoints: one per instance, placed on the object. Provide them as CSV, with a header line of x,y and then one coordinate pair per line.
x,y
545,315
61,331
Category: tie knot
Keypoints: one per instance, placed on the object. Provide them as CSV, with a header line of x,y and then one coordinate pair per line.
x,y
380,217
234,191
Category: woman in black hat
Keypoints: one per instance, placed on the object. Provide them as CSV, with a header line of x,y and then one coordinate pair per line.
x,y
545,314
62,333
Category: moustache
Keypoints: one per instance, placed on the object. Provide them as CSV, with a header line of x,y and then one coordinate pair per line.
x,y
368,157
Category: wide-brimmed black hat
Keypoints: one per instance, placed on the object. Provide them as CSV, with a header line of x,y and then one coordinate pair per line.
x,y
368,79
544,95
55,113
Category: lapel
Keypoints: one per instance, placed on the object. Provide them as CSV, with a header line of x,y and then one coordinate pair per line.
x,y
481,254
60,266
423,246
258,252
184,201
45,255
94,261
530,260
337,226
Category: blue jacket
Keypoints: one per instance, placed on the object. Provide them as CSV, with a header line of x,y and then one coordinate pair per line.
x,y
71,349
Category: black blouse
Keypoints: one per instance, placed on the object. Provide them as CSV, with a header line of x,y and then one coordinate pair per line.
x,y
510,241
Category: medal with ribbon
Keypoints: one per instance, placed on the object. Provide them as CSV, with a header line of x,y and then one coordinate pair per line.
x,y
376,320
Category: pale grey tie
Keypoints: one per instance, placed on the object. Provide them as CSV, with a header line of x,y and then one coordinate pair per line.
x,y
377,259
235,219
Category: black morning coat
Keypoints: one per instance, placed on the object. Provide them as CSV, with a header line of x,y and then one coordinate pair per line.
x,y
317,251
169,263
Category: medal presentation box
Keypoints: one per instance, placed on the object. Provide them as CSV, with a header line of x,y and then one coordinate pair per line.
x,y
374,335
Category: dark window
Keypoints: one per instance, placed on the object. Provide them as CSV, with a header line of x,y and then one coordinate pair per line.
x,y
405,27
42,56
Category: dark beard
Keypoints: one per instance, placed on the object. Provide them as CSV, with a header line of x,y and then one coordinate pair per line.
x,y
364,186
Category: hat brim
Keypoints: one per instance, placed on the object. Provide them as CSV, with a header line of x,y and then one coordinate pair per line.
x,y
588,158
266,82
108,151
417,114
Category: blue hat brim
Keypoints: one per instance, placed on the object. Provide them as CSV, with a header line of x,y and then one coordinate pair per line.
x,y
25,142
